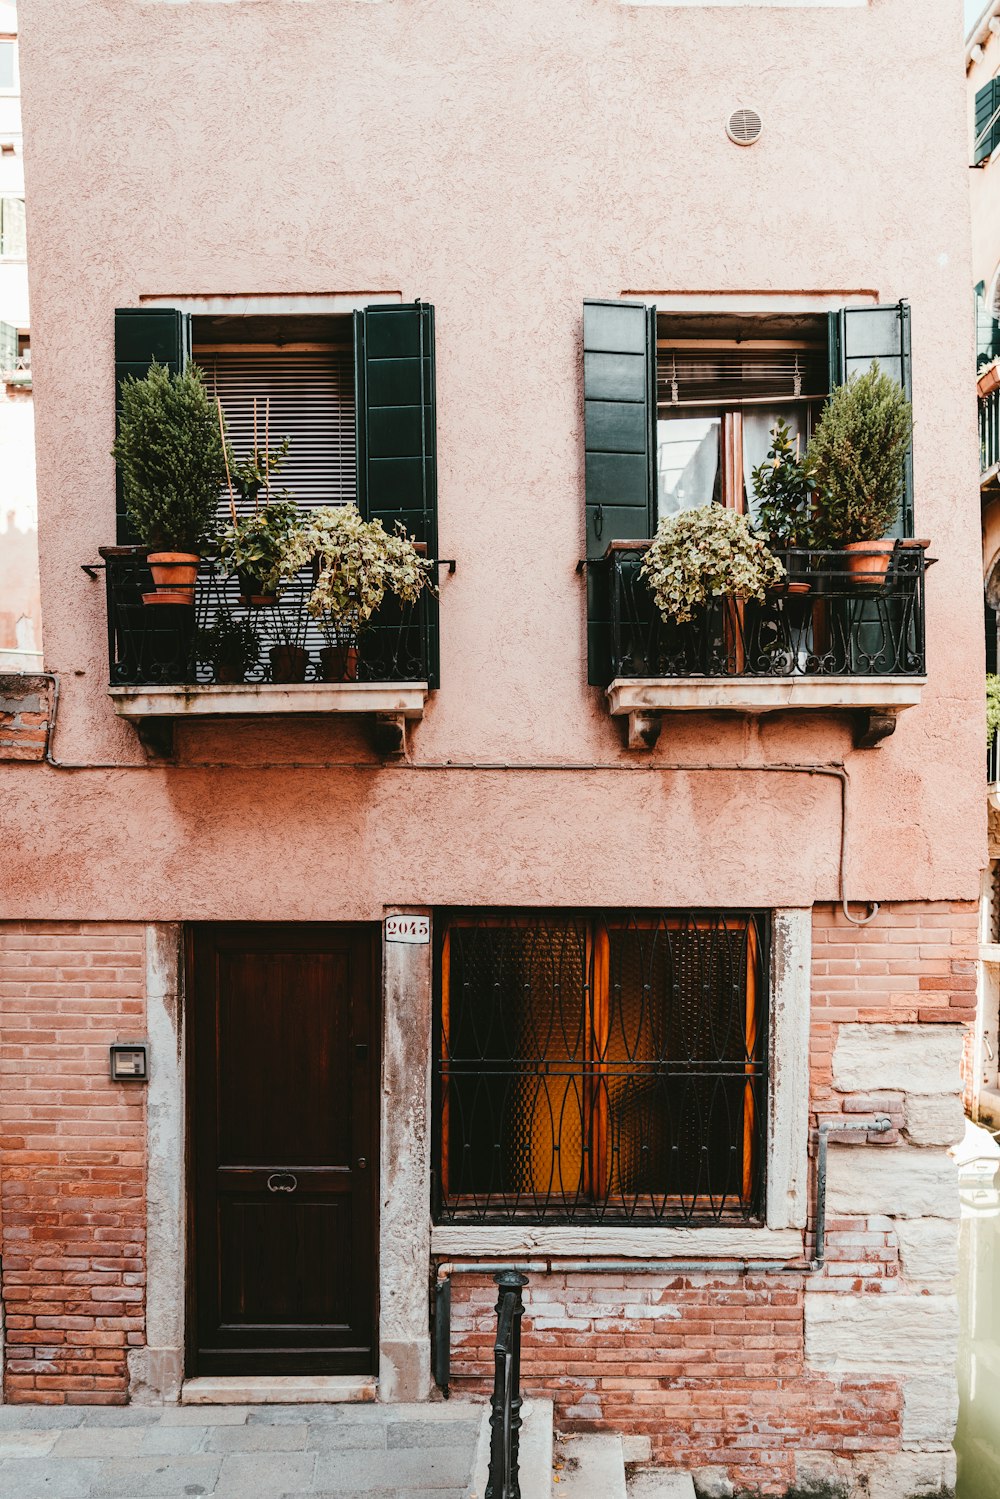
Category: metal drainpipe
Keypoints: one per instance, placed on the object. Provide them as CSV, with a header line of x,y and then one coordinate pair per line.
x,y
546,1265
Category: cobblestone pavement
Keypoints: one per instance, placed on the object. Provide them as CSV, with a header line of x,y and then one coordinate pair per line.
x,y
238,1452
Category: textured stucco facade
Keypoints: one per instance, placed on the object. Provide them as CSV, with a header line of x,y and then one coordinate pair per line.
x,y
504,163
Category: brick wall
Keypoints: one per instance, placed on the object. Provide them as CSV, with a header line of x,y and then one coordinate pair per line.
x,y
25,714
735,1371
72,1160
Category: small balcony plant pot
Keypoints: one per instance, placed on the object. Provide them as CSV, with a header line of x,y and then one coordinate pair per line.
x,y
339,663
174,574
867,562
989,379
253,595
289,663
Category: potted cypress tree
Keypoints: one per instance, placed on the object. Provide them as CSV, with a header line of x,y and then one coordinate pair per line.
x,y
170,448
858,452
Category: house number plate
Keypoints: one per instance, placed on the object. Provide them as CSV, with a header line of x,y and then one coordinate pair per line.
x,y
407,929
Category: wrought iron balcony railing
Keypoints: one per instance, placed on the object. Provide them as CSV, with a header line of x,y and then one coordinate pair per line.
x,y
224,641
822,621
989,431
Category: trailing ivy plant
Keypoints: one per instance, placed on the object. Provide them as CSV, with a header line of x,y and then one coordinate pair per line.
x,y
357,563
858,452
170,452
785,488
701,555
992,707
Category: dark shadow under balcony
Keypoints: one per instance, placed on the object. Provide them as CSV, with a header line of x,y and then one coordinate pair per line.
x,y
826,638
226,655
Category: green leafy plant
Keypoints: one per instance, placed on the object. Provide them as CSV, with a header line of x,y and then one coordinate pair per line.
x,y
230,645
251,475
705,554
358,562
992,707
785,488
269,546
172,459
858,453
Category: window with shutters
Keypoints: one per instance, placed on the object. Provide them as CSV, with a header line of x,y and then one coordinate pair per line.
x,y
601,1067
986,122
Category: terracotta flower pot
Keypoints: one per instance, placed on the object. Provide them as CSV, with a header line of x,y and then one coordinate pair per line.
x,y
252,593
339,663
289,663
228,675
174,574
988,379
867,562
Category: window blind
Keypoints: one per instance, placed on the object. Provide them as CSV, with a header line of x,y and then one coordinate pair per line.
x,y
311,397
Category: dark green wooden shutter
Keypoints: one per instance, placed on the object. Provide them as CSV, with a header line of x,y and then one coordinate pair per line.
x,y
619,425
397,428
144,335
858,337
987,124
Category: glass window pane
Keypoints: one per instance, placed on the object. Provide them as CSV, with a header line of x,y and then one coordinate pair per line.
x,y
7,64
687,462
13,239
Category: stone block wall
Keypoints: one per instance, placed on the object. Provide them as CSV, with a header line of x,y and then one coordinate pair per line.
x,y
25,716
72,1160
844,1375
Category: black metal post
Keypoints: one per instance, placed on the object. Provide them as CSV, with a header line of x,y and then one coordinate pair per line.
x,y
505,1418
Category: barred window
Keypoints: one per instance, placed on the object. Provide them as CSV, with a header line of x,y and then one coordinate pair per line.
x,y
601,1068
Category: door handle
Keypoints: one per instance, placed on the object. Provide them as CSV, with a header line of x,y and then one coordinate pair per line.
x,y
282,1181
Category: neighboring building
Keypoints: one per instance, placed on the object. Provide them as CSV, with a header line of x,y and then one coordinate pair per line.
x,y
446,968
20,605
983,89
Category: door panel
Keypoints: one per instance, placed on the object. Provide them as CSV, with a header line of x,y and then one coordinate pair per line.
x,y
283,1089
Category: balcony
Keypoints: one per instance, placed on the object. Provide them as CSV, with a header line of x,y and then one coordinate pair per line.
x,y
989,441
824,640
227,656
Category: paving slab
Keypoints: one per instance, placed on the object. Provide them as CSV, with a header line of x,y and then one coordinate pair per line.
x,y
354,1451
265,1473
430,1468
40,1417
42,1478
288,1437
156,1477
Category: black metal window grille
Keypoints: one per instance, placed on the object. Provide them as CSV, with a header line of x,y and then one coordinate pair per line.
x,y
601,1068
820,621
164,645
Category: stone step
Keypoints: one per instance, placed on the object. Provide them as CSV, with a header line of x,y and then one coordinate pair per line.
x,y
590,1467
535,1452
660,1483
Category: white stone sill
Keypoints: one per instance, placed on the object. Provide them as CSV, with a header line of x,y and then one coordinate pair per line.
x,y
280,1389
271,699
463,1240
761,694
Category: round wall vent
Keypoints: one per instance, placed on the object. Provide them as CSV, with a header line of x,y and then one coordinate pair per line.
x,y
744,127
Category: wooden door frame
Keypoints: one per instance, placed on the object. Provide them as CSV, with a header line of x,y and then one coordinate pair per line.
x,y
373,931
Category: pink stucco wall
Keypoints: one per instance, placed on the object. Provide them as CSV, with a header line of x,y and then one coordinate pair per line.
x,y
502,162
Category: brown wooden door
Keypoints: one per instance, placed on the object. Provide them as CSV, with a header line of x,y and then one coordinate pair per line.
x,y
283,1076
